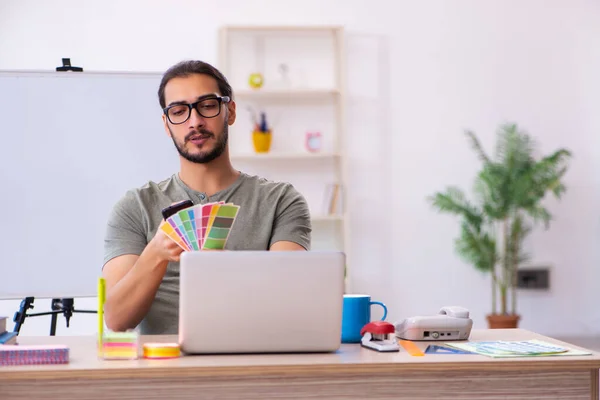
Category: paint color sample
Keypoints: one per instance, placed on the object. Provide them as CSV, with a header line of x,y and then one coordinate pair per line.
x,y
176,222
214,244
188,228
228,211
170,232
218,232
222,222
213,214
206,210
202,226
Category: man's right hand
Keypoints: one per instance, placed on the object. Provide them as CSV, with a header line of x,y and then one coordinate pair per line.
x,y
164,248
132,281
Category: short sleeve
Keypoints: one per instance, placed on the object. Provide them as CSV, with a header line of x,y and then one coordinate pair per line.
x,y
125,233
292,220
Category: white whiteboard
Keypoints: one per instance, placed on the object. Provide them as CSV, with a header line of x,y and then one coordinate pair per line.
x,y
71,144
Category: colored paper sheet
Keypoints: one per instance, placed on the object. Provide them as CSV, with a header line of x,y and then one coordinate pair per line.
x,y
411,348
214,244
176,218
177,224
188,228
435,349
213,214
206,212
172,234
222,222
195,214
192,218
527,348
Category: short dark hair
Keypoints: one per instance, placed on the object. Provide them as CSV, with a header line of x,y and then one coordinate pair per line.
x,y
189,67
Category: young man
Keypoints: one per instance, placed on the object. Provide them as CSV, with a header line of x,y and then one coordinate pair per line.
x,y
141,264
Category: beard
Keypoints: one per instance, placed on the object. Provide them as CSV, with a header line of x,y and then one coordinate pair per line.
x,y
203,156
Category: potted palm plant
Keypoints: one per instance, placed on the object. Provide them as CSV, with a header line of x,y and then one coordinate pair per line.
x,y
508,194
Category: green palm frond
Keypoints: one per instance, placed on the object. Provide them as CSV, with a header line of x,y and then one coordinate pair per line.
x,y
548,172
517,233
491,182
539,214
453,201
476,145
476,248
514,148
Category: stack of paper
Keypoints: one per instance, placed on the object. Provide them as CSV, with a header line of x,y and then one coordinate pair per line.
x,y
120,345
203,226
33,355
524,348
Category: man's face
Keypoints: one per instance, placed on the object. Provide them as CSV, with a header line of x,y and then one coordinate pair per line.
x,y
199,139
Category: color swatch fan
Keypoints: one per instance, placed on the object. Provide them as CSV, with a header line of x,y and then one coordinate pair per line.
x,y
203,226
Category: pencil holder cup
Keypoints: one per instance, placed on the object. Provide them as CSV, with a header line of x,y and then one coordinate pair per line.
x,y
119,345
261,141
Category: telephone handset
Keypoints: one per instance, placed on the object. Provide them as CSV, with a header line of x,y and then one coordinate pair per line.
x,y
451,323
455,311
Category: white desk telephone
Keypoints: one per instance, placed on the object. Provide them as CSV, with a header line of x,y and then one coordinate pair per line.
x,y
451,323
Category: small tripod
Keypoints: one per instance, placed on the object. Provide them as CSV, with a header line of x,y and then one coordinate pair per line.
x,y
59,306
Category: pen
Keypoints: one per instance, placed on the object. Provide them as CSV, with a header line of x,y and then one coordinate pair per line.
x,y
101,297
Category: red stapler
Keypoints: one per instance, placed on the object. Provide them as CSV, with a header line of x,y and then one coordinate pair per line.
x,y
375,335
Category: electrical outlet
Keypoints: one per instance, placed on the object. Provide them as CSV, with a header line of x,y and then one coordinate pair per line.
x,y
533,278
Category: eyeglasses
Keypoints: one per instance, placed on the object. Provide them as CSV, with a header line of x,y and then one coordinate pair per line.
x,y
207,108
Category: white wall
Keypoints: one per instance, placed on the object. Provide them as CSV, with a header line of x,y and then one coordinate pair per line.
x,y
420,72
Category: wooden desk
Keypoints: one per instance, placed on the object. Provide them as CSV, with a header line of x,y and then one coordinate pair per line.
x,y
351,373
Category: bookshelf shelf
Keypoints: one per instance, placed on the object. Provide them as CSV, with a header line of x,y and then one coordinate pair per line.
x,y
282,29
283,156
328,218
287,94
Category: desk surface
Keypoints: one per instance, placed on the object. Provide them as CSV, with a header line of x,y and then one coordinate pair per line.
x,y
350,358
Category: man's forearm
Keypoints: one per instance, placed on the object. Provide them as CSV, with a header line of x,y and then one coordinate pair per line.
x,y
129,300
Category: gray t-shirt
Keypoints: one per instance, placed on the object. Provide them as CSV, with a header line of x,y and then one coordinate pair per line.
x,y
269,212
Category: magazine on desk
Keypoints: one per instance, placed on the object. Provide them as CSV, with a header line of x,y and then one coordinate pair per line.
x,y
517,348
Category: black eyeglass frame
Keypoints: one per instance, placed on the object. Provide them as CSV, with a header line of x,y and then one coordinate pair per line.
x,y
220,99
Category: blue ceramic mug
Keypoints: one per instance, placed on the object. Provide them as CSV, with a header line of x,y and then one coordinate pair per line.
x,y
356,313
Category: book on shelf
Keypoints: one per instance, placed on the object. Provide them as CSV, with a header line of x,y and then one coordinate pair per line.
x,y
333,202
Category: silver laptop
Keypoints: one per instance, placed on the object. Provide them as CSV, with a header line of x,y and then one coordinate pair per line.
x,y
260,301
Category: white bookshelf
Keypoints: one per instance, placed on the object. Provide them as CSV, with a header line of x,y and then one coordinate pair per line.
x,y
308,97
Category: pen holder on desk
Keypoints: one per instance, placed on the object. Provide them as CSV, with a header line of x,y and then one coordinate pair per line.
x,y
119,345
261,141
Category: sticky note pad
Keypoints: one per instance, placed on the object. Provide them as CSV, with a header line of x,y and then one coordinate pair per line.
x,y
119,345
